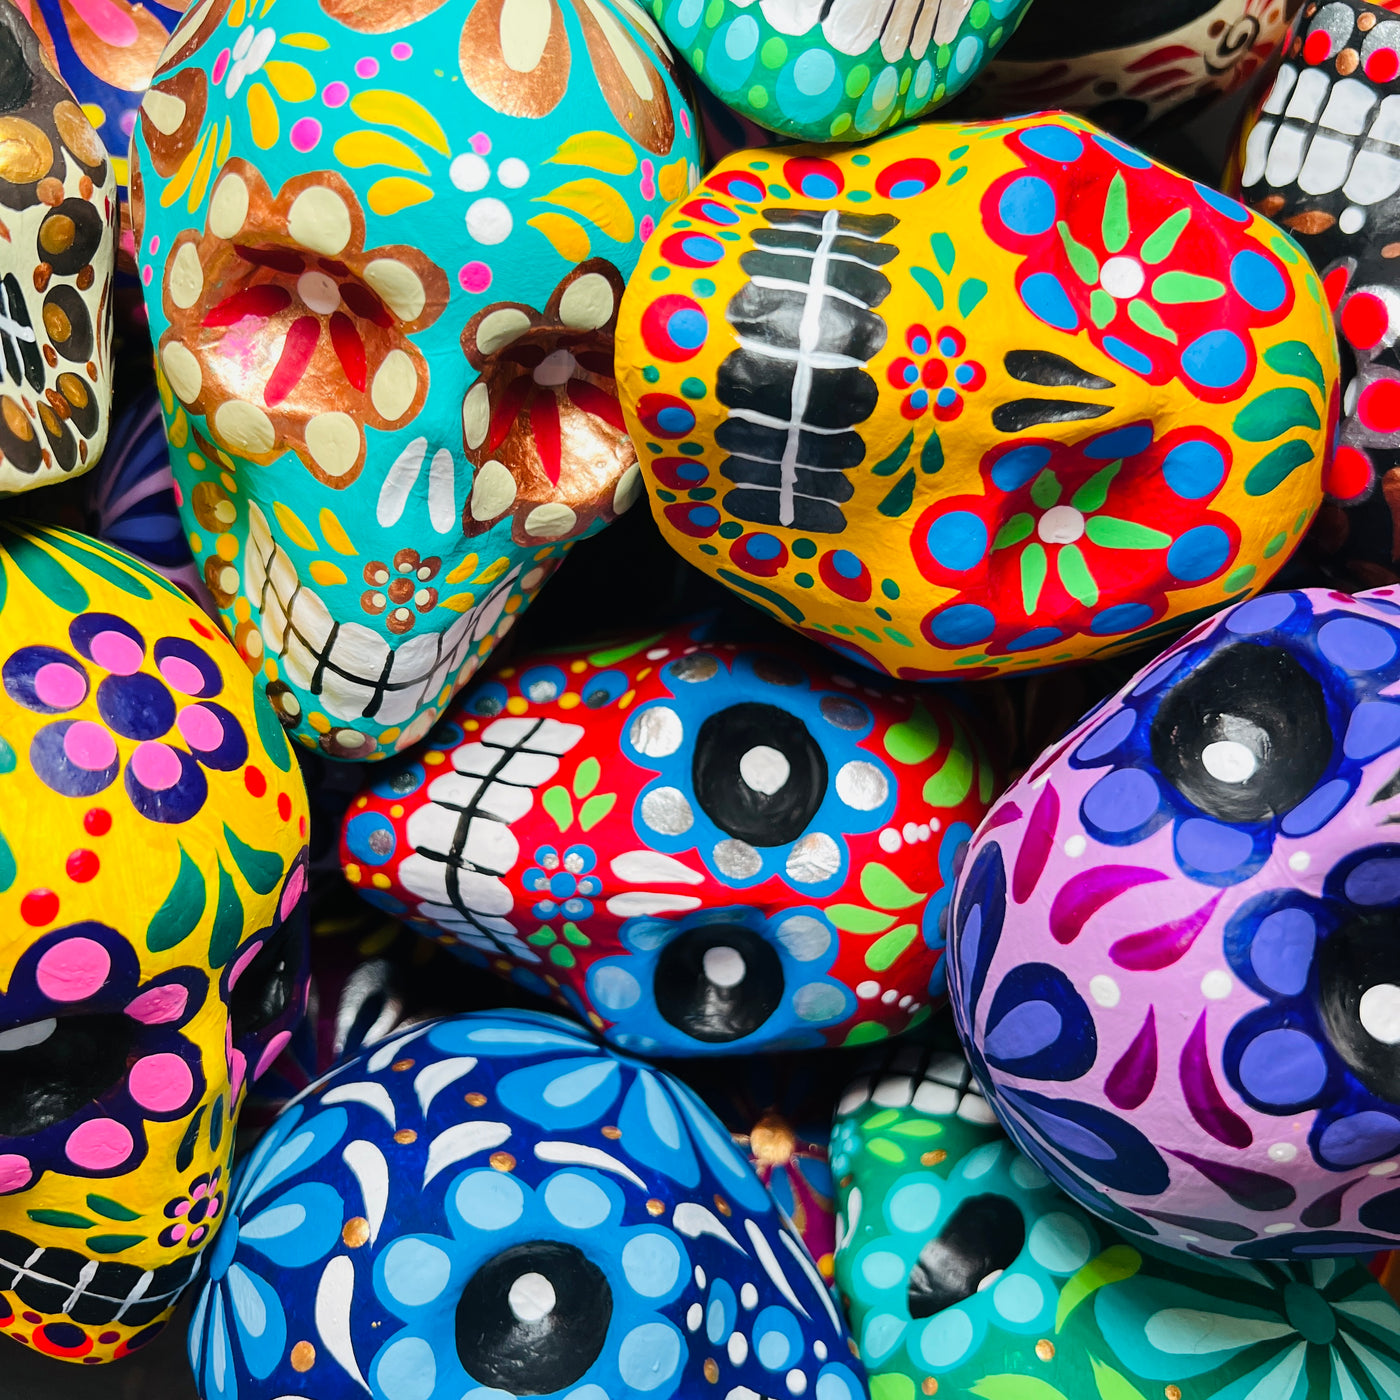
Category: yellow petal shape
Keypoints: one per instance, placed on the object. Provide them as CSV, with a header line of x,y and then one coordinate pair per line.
x,y
458,602
326,573
569,237
493,571
396,192
225,142
262,115
464,570
362,148
237,14
386,108
598,203
180,182
599,149
334,533
200,185
306,41
671,179
94,114
292,81
290,521
180,430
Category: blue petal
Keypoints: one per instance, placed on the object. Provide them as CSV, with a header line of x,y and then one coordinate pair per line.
x,y
520,1034
262,1325
734,1172
1098,1143
219,1380
1039,1027
653,1132
297,1228
566,1094
303,1149
194,1338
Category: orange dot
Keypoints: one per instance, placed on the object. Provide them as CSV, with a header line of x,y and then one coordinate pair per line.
x,y
303,1356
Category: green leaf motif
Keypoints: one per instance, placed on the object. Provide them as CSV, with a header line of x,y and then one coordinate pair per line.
x,y
1094,493
1045,492
261,869
952,782
586,777
555,802
1273,414
61,1219
933,288
1018,528
1159,245
891,464
1118,1262
1113,1385
595,809
113,1210
884,1149
1145,318
575,935
1084,263
8,761
46,573
1015,1387
893,1385
542,938
1102,308
1111,533
1273,470
885,890
8,868
914,739
1296,359
1186,288
884,952
1074,574
1034,567
120,578
970,296
610,656
856,918
900,498
931,458
228,920
943,251
1115,215
270,732
178,917
112,1244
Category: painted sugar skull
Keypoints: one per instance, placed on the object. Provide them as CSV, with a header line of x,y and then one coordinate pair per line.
x,y
1319,156
976,398
1131,64
494,1202
1198,889
840,71
383,276
963,1268
58,208
703,849
152,828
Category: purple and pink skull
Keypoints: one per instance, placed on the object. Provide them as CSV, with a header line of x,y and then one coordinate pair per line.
x,y
1174,958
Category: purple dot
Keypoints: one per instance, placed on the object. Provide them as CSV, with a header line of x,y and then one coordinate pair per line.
x,y
1317,809
59,686
335,94
1158,674
1374,882
402,51
1121,800
1210,847
1363,1137
305,134
1374,728
1283,1067
1282,949
1107,736
1261,614
1356,645
367,67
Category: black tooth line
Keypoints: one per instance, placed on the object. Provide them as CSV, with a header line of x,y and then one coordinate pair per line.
x,y
1020,414
1051,371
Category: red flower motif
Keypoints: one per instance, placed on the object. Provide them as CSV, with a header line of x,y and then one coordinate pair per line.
x,y
936,374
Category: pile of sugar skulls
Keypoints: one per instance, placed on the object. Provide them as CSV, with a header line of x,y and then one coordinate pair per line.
x,y
740,974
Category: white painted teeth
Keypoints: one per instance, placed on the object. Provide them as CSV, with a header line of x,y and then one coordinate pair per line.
x,y
943,1085
1279,93
1349,108
1308,96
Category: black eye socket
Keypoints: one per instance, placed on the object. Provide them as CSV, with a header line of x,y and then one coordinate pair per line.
x,y
533,1319
268,985
981,1238
1244,737
718,983
50,1069
758,774
1358,990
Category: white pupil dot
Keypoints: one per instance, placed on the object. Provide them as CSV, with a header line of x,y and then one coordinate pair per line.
x,y
1122,277
556,368
531,1297
1229,762
319,292
1061,525
764,770
1380,1013
724,967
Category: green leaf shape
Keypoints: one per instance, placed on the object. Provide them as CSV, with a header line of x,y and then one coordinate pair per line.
x,y
1018,528
952,782
8,761
184,1154
867,1033
856,918
560,956
575,935
46,573
918,1128
4,581
8,868
1111,533
261,869
586,776
885,1118
555,802
931,458
1084,263
891,464
1186,288
270,732
893,1385
885,890
970,296
179,915
1092,495
933,288
883,953
766,597
1116,1263
1102,308
1074,574
900,498
943,251
1034,567
228,920
61,1219
112,1244
1046,490
883,1148
610,656
1115,215
1295,358
113,1210
1273,470
595,809
914,739
1010,1386
542,938
132,565
1273,414
1113,1385
1145,318
120,578
1163,239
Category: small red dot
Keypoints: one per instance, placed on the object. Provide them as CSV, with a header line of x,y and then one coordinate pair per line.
x,y
1318,48
1365,320
97,822
82,866
32,1317
301,828
284,806
254,781
202,630
1349,475
1378,408
39,907
1382,66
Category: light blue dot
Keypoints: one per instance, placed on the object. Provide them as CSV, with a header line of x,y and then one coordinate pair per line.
x,y
1222,204
1054,143
882,1269
652,1264
406,1370
741,38
1046,299
817,186
1018,1298
913,1208
967,53
649,1356
764,546
613,987
1194,469
981,1160
721,1312
1215,360
832,1384
814,72
1127,355
1316,809
490,1200
1123,617
1059,1243
576,1202
1258,281
1134,160
415,1272
958,540
688,13
675,421
688,327
1027,206
945,1339
964,625
1014,469
777,1339
1199,554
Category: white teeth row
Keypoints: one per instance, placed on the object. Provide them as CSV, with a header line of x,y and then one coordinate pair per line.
x,y
943,1086
851,26
356,673
1325,137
